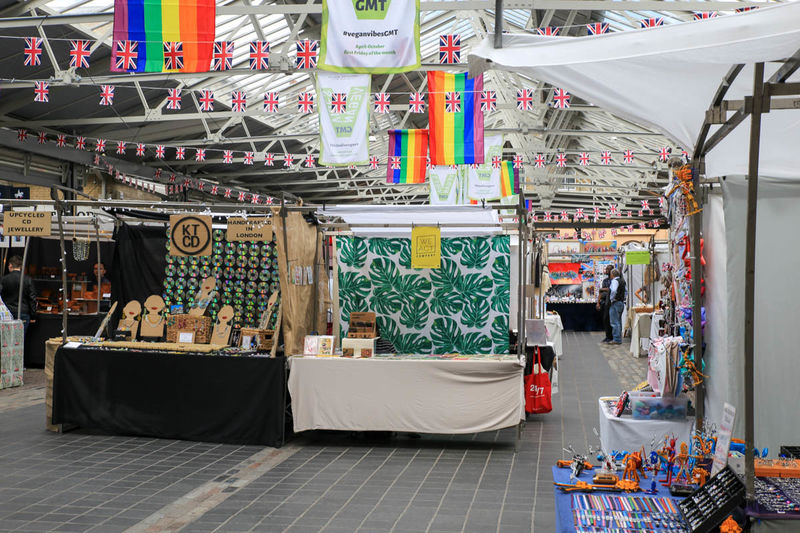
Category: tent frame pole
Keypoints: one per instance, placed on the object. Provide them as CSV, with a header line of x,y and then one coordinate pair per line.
x,y
696,226
498,23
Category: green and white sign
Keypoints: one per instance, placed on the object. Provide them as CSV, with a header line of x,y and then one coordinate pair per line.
x,y
443,180
484,180
343,118
637,257
366,36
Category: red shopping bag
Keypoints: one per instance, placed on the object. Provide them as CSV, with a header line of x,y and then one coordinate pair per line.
x,y
537,388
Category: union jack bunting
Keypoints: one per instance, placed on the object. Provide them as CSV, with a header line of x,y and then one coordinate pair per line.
x,y
583,159
597,28
157,173
100,145
174,99
288,160
539,161
338,103
373,162
259,55
80,142
452,102
564,216
651,22
206,100
645,205
227,157
550,31
238,101
449,49
641,212
517,161
664,153
705,15
661,202
106,95
310,162
222,58
248,158
254,198
200,185
160,151
42,137
126,55
561,160
394,161
200,154
381,102
561,99
745,9
627,157
140,147
173,55
269,159
241,196
33,51
497,161
596,212
416,103
488,101
79,54
180,153
306,51
41,91
305,102
227,193
524,99
271,102
61,140
605,158
547,216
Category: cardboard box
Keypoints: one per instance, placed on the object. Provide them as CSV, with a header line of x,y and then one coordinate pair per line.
x,y
358,347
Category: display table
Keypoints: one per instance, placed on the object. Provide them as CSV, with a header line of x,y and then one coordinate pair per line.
x,y
625,433
235,400
47,326
414,395
554,328
578,316
640,334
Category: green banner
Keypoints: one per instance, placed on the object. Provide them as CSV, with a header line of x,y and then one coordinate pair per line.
x,y
637,257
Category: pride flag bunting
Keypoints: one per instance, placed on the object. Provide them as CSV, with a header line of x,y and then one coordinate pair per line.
x,y
408,150
509,179
456,135
148,26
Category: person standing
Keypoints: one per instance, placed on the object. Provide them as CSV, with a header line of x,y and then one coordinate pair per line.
x,y
603,303
616,298
23,310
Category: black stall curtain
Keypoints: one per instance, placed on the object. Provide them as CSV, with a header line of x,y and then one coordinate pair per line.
x,y
139,263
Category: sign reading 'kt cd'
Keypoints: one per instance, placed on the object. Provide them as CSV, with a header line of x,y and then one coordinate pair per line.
x,y
190,235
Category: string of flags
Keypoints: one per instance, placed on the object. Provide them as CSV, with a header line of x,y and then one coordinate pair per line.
x,y
598,234
611,211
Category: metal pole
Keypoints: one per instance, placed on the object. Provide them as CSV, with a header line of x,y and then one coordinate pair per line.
x,y
520,280
64,292
695,228
99,278
498,23
22,276
750,276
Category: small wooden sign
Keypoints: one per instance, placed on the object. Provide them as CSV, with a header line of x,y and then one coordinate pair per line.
x,y
249,229
27,223
190,235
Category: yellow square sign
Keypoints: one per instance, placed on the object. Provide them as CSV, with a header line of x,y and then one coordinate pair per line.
x,y
426,247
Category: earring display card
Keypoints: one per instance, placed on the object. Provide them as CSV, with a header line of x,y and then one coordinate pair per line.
x,y
777,497
707,507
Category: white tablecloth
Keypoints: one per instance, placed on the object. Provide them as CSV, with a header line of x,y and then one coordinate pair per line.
x,y
625,433
640,334
554,329
424,396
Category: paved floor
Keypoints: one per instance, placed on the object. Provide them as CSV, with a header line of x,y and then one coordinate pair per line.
x,y
329,482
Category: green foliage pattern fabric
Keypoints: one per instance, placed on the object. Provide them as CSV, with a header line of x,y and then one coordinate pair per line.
x,y
461,307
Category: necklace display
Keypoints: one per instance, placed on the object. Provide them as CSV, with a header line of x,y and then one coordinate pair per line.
x,y
157,322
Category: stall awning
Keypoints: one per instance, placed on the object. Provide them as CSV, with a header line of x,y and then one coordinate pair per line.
x,y
666,77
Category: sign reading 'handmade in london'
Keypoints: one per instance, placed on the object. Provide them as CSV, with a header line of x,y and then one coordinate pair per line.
x,y
190,235
29,223
257,229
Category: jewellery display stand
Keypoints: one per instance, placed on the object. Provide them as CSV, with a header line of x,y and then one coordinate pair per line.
x,y
128,325
222,329
204,297
708,506
152,324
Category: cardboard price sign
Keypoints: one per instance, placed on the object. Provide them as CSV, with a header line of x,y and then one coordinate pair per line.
x,y
28,223
249,229
190,235
426,247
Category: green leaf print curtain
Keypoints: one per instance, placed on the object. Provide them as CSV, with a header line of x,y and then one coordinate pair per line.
x,y
461,307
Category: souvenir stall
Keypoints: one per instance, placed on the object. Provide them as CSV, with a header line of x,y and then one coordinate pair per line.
x,y
421,325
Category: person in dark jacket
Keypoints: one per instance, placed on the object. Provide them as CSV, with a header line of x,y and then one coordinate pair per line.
x,y
603,305
25,310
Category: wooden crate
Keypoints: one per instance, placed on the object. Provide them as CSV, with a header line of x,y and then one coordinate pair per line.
x,y
362,326
201,325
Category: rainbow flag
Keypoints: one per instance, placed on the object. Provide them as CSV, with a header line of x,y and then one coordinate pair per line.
x,y
408,152
142,27
455,119
509,179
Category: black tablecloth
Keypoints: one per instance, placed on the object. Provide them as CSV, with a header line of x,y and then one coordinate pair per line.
x,y
578,317
234,400
48,326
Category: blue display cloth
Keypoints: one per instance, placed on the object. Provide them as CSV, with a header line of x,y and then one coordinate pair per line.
x,y
564,520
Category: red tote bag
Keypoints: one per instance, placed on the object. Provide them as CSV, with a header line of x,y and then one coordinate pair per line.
x,y
537,388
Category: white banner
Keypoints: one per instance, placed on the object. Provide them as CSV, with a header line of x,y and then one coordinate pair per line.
x,y
343,101
443,180
484,181
380,36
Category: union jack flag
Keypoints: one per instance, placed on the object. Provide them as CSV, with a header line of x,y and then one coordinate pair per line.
x,y
106,94
664,153
42,137
488,101
641,225
306,53
627,157
583,159
227,156
339,103
200,154
452,102
227,193
641,212
547,216
288,160
564,216
33,51
449,49
310,162
180,153
140,147
259,55
248,158
705,15
200,185
614,210
157,173
685,154
241,196
524,99
539,161
651,22
416,103
745,9
561,99
597,28
561,160
395,162
222,58
550,31
497,161
613,232
126,55
605,158
238,101
79,54
579,214
61,140
214,189
373,163
160,151
381,102
174,99
271,102
100,145
254,198
518,161
206,100
173,55
41,91
596,212
661,202
269,159
645,205
80,141
305,102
